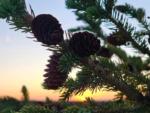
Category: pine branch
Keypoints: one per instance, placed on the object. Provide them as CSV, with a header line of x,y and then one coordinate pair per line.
x,y
146,64
106,63
124,72
109,4
128,9
77,86
90,12
92,21
141,47
80,28
123,20
67,62
120,85
119,52
137,39
79,4
16,14
137,64
118,79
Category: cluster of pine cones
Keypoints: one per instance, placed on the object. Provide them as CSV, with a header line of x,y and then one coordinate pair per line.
x,y
47,29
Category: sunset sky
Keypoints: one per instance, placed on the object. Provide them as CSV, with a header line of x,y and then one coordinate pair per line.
x,y
22,61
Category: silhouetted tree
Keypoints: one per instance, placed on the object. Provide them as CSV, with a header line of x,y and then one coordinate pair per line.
x,y
25,94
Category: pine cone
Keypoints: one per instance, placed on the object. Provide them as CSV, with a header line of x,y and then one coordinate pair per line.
x,y
84,44
117,39
104,52
47,29
54,78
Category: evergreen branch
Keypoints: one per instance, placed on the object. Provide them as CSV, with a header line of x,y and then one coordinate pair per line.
x,y
106,63
123,72
16,14
91,82
138,14
120,85
67,62
96,75
92,21
130,74
74,87
12,8
141,47
138,79
104,78
80,28
117,18
67,89
121,22
109,4
146,64
145,25
136,64
80,4
142,33
86,10
119,52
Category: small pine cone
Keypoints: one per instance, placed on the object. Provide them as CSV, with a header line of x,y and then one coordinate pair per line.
x,y
116,39
54,78
84,44
104,52
47,29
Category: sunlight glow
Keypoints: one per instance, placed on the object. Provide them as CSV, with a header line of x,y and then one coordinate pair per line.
x,y
97,96
83,97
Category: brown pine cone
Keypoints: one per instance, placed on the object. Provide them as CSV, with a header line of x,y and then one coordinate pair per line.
x,y
54,78
47,29
84,44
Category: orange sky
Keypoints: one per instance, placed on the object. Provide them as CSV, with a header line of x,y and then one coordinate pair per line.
x,y
14,79
54,95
